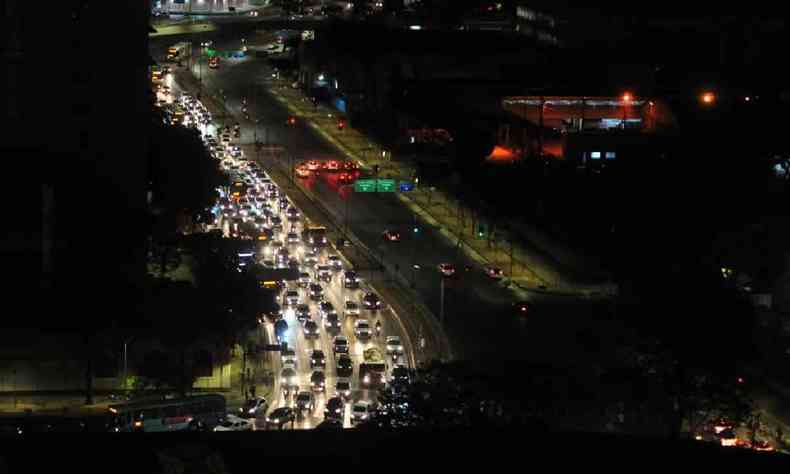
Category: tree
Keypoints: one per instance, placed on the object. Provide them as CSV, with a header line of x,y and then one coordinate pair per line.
x,y
184,176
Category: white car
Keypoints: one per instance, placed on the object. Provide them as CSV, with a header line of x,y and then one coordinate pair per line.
x,y
254,407
292,297
394,345
362,328
234,423
361,411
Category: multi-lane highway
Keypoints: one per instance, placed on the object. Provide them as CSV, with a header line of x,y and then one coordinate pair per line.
x,y
383,321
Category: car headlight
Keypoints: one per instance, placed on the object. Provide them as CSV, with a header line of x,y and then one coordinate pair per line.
x,y
367,379
251,411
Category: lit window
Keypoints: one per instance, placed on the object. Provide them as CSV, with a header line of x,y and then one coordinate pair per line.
x,y
610,155
596,155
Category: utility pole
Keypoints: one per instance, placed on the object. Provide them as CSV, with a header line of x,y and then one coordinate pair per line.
x,y
540,128
441,302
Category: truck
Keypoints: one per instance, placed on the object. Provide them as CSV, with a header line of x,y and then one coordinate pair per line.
x,y
179,51
373,369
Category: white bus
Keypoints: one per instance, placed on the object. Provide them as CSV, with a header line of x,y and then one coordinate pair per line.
x,y
178,414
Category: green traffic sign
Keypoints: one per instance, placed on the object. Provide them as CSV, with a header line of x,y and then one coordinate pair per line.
x,y
386,186
365,185
211,52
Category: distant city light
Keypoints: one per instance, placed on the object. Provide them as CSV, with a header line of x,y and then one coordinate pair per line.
x,y
708,98
415,27
627,97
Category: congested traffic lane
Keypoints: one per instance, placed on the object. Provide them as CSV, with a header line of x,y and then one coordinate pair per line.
x,y
303,346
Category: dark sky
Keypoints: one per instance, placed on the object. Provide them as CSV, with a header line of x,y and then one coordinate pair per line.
x,y
675,8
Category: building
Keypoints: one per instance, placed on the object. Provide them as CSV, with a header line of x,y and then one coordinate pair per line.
x,y
75,112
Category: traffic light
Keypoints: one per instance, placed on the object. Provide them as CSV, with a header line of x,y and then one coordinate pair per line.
x,y
416,229
341,125
481,231
291,120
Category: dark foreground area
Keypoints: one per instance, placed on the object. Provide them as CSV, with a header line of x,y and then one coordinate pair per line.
x,y
516,448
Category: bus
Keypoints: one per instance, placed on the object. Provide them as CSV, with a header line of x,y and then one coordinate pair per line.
x,y
158,415
315,236
373,369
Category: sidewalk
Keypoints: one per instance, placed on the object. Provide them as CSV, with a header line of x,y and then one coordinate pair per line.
x,y
532,268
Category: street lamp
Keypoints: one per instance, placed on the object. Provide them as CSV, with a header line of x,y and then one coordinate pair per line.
x,y
627,99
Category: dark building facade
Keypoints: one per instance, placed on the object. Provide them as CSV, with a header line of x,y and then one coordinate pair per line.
x,y
75,114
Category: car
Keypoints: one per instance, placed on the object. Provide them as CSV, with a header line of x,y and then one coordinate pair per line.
x,y
334,262
350,279
234,423
521,307
268,263
316,292
310,329
292,297
292,238
361,411
303,313
340,345
393,345
277,223
447,269
495,273
325,308
391,235
345,367
371,301
332,322
254,407
333,165
400,375
293,263
343,389
288,357
283,203
345,178
313,165
310,257
362,329
317,359
304,280
280,416
292,212
352,308
318,381
350,166
334,408
288,379
305,401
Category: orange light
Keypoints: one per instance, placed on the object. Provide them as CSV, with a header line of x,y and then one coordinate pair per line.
x,y
627,97
708,98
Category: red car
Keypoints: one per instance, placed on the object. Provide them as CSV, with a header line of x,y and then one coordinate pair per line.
x,y
391,235
350,166
302,171
333,165
313,165
345,178
447,269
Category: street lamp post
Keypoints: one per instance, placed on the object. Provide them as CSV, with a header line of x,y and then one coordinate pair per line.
x,y
126,360
441,300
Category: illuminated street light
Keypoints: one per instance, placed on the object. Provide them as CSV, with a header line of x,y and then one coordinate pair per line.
x,y
708,98
627,97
